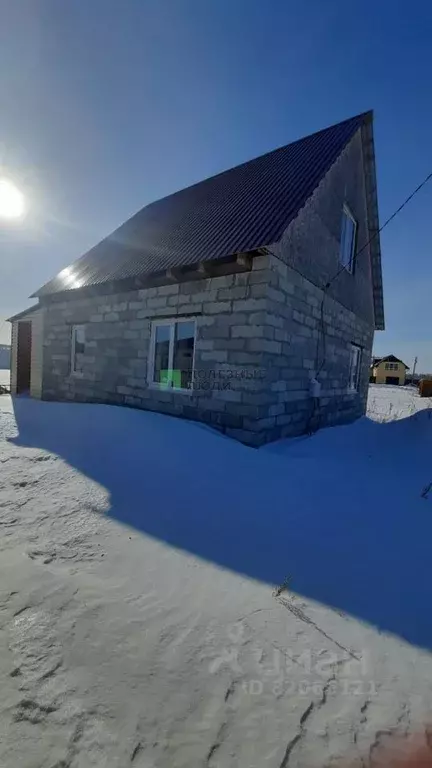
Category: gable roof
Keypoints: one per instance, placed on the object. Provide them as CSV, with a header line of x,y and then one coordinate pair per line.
x,y
388,359
239,210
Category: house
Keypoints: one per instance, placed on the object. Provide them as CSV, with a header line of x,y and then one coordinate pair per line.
x,y
388,370
247,301
4,357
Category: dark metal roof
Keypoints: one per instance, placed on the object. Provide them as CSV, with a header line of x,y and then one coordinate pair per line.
x,y
236,211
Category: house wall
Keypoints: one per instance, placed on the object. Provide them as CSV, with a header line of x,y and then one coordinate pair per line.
x,y
229,355
37,319
312,241
381,374
14,350
257,334
297,352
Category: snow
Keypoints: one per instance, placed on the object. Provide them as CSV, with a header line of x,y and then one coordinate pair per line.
x,y
139,618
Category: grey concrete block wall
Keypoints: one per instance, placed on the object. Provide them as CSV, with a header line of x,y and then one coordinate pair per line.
x,y
229,353
310,343
254,355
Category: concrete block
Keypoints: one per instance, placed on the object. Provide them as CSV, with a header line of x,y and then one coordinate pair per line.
x,y
165,312
229,395
247,331
264,345
249,305
276,295
260,262
284,419
256,425
147,293
111,317
204,345
205,320
189,309
278,386
276,410
213,308
235,345
259,290
224,281
157,302
235,292
168,290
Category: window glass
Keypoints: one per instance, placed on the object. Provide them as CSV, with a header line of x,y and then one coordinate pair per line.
x,y
173,345
183,354
354,368
161,354
78,348
348,236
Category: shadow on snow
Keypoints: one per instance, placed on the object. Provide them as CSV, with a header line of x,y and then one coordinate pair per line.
x,y
341,513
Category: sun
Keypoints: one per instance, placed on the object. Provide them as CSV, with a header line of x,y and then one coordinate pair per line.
x,y
12,205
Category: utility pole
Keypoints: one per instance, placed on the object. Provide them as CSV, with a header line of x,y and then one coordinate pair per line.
x,y
414,367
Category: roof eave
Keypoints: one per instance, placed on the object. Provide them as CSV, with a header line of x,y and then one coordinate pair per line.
x,y
373,220
24,312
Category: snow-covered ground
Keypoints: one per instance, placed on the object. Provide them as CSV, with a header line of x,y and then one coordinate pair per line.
x,y
4,377
139,619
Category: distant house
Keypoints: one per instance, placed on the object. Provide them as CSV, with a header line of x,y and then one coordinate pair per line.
x,y
4,357
388,370
224,302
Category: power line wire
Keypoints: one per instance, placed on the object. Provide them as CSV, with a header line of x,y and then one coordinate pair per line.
x,y
386,223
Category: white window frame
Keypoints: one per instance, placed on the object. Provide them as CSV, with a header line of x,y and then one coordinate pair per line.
x,y
354,386
73,370
171,322
346,212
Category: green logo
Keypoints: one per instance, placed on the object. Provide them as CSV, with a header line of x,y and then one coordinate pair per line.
x,y
171,376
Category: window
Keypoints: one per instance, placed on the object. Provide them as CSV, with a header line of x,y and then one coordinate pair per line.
x,y
348,239
391,366
354,367
172,354
78,348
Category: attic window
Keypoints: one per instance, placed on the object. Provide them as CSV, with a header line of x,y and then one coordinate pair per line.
x,y
348,239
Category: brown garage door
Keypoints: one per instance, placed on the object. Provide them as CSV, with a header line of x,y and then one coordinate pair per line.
x,y
24,356
392,380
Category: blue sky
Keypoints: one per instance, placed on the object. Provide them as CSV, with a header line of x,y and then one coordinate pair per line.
x,y
107,105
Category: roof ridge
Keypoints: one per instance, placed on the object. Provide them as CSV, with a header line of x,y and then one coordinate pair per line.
x,y
362,115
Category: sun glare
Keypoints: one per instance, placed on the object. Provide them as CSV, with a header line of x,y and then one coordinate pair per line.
x,y
11,200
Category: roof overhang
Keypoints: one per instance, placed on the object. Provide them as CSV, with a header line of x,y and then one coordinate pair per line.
x,y
24,313
373,219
